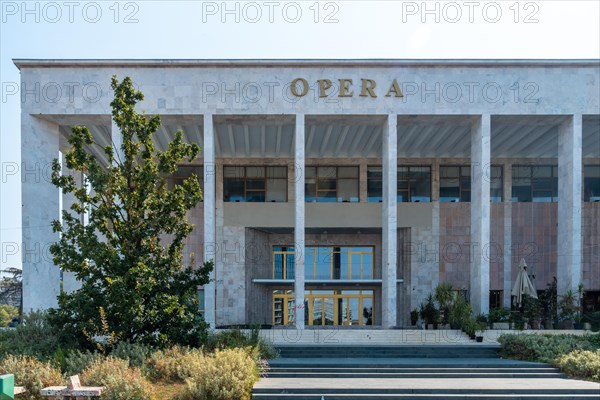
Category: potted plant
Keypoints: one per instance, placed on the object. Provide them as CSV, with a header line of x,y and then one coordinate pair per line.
x,y
499,318
533,311
469,328
578,324
548,303
428,312
414,316
517,320
480,326
567,306
459,313
444,295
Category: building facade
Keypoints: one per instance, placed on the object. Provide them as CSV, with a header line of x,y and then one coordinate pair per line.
x,y
343,192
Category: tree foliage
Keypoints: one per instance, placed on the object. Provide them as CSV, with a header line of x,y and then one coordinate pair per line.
x,y
11,287
136,286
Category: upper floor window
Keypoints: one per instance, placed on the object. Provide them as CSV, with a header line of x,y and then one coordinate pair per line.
x,y
331,184
414,184
591,183
534,183
455,183
325,263
255,184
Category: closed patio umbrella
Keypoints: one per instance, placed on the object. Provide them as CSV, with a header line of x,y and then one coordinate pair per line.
x,y
523,285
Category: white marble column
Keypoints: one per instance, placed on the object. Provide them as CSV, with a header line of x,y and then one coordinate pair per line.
x,y
507,246
40,206
569,204
210,246
70,283
480,214
299,223
389,223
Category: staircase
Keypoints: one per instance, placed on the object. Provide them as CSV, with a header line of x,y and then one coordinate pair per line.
x,y
394,365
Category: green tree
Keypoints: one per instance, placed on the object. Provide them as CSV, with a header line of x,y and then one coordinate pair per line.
x,y
136,285
7,314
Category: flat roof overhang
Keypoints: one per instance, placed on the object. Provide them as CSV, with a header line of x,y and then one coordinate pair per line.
x,y
269,63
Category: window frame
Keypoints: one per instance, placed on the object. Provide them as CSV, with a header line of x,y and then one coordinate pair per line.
x,y
265,178
337,179
552,179
398,190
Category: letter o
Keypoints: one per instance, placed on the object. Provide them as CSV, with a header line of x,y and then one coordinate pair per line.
x,y
294,87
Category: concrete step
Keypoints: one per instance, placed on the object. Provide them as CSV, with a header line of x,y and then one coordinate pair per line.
x,y
433,393
437,375
292,396
423,351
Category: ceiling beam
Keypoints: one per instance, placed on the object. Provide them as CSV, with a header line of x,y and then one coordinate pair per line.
x,y
231,139
525,140
247,140
278,140
325,140
357,139
311,135
372,139
342,139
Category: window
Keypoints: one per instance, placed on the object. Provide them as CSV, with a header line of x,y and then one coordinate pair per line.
x,y
455,183
255,184
538,184
591,183
325,263
414,184
183,172
331,184
201,302
496,299
283,262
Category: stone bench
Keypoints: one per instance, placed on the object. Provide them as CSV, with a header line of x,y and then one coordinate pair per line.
x,y
72,390
8,390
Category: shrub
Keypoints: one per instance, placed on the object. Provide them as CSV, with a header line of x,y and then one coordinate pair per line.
x,y
581,364
236,338
119,380
174,364
135,353
225,375
33,337
544,348
31,373
76,361
499,315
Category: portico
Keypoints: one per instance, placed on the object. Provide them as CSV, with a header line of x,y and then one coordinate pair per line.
x,y
344,197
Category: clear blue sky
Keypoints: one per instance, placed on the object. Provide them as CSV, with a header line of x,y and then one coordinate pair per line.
x,y
340,29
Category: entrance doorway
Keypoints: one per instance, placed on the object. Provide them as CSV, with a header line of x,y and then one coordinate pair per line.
x,y
326,307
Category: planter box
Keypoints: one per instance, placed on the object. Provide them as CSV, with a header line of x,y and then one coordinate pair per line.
x,y
501,325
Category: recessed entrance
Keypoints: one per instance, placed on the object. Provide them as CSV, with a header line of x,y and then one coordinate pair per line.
x,y
326,307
